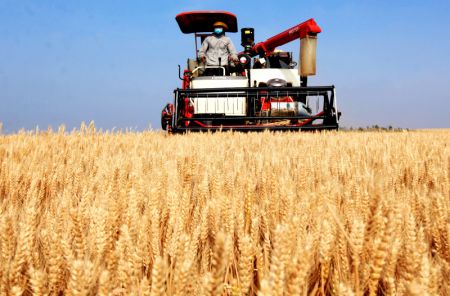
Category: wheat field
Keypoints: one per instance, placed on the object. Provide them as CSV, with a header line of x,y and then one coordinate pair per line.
x,y
88,212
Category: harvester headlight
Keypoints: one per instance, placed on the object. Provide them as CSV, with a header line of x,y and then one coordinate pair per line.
x,y
244,59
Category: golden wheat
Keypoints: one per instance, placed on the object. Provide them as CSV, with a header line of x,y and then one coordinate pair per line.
x,y
124,213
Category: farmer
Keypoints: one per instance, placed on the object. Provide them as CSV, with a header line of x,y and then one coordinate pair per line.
x,y
218,49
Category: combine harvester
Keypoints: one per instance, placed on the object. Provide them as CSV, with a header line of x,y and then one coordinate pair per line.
x,y
263,91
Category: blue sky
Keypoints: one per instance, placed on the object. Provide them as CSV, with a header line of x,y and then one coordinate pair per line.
x,y
115,62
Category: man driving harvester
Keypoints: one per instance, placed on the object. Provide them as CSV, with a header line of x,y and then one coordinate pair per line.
x,y
217,49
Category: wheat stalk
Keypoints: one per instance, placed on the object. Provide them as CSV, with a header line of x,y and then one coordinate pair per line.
x,y
117,213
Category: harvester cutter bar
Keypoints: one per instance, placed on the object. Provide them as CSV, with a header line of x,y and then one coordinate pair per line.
x,y
230,118
256,128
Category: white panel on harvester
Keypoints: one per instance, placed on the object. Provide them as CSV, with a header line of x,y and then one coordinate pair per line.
x,y
230,106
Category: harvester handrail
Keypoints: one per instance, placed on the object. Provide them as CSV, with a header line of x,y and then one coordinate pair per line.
x,y
210,67
306,89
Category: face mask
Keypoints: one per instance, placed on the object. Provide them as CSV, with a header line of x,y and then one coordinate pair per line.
x,y
218,31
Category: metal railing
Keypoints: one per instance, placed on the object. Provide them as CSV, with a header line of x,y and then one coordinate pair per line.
x,y
321,101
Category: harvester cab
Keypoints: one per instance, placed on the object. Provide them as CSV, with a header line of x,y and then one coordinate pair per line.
x,y
263,90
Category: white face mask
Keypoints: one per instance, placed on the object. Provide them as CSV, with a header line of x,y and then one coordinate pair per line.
x,y
218,31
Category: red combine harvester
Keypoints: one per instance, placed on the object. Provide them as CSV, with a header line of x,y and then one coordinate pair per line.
x,y
263,91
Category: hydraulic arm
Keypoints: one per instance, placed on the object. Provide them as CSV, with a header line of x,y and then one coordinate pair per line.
x,y
265,48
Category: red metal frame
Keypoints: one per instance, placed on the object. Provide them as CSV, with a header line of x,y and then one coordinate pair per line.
x,y
186,79
187,111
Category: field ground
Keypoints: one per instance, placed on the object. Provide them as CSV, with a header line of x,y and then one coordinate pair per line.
x,y
87,213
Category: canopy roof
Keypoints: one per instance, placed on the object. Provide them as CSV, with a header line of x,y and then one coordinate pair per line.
x,y
202,21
